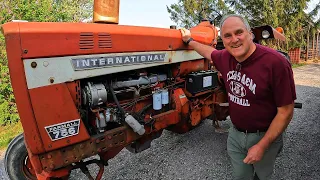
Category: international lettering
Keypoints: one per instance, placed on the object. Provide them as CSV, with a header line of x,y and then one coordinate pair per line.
x,y
109,61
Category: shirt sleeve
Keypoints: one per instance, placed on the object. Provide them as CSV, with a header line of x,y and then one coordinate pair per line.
x,y
283,86
216,58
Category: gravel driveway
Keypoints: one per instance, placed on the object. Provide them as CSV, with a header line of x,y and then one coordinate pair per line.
x,y
201,153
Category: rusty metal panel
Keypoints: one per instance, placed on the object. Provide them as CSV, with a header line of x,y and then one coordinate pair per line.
x,y
74,153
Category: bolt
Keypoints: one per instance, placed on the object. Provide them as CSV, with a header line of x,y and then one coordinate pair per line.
x,y
51,80
68,141
49,156
25,51
33,64
50,146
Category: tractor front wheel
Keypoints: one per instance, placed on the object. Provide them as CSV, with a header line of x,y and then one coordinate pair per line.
x,y
17,163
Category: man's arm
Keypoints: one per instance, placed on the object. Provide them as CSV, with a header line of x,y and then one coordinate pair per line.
x,y
278,125
202,49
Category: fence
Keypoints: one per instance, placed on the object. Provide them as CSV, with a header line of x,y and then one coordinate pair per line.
x,y
295,54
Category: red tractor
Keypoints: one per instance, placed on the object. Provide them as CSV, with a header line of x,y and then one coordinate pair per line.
x,y
85,89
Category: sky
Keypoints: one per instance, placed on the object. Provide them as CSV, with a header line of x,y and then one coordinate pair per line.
x,y
152,13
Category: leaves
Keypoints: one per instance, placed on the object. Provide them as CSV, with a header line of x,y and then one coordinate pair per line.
x,y
288,14
188,13
32,10
46,10
8,110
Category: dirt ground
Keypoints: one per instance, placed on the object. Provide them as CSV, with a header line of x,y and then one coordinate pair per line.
x,y
2,152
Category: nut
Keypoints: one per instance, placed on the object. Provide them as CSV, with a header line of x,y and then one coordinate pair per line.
x,y
33,64
51,80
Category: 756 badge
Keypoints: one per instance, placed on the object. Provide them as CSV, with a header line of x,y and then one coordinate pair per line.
x,y
63,130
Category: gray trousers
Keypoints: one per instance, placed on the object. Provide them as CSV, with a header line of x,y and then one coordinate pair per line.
x,y
238,144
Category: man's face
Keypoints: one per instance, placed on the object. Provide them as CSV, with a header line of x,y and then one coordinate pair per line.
x,y
237,39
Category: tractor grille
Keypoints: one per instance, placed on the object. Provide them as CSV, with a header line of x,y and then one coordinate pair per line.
x,y
86,41
104,40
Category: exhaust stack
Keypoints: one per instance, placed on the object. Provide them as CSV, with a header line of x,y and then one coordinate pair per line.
x,y
106,11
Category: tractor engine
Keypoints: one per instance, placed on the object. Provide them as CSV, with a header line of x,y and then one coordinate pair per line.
x,y
135,97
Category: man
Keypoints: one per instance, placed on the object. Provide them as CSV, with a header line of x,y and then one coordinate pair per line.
x,y
261,93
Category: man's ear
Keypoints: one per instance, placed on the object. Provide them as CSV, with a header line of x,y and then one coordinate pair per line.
x,y
252,35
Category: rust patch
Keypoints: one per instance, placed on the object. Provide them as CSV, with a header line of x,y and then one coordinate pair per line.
x,y
171,54
74,153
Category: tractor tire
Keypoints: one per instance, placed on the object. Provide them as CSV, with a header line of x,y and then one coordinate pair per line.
x,y
16,163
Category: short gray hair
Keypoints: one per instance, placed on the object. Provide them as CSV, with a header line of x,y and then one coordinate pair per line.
x,y
245,22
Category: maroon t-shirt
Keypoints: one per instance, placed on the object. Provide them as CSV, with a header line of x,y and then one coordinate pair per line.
x,y
255,90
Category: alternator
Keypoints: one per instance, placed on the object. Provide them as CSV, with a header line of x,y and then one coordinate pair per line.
x,y
94,94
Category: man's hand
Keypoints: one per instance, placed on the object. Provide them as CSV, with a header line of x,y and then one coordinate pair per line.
x,y
255,154
278,125
186,34
202,49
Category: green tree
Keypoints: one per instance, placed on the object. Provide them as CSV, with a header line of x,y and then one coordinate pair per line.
x,y
39,11
314,15
188,13
287,14
311,26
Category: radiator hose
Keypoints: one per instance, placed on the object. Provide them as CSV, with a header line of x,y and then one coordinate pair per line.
x,y
130,120
116,99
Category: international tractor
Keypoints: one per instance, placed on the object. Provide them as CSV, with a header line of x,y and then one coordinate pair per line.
x,y
92,89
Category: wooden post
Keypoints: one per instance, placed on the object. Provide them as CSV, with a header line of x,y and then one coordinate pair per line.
x,y
313,54
317,44
307,46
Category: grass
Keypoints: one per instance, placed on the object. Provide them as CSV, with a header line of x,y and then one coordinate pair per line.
x,y
298,65
7,133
